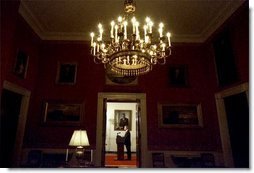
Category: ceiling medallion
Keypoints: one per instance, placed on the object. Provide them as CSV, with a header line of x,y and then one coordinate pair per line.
x,y
130,51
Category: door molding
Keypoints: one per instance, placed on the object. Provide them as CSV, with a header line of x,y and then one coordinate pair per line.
x,y
143,130
222,117
22,118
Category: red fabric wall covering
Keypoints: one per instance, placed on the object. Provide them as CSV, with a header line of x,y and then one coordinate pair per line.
x,y
15,35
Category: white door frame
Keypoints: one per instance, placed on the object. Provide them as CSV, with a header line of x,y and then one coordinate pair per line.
x,y
143,130
222,117
21,120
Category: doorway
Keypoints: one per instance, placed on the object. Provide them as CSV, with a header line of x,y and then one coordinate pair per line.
x,y
118,115
14,108
102,144
237,110
10,107
233,114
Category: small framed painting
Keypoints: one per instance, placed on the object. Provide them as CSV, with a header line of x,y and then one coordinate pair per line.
x,y
21,64
178,76
66,73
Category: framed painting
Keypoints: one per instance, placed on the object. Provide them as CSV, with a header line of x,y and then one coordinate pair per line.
x,y
178,76
66,73
62,113
21,64
122,118
180,115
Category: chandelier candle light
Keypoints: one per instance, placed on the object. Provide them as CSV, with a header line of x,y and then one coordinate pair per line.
x,y
129,52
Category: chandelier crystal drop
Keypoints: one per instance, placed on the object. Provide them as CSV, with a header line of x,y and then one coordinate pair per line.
x,y
132,50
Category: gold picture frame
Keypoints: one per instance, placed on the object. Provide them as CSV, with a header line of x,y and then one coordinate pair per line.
x,y
120,121
180,115
66,73
178,75
21,64
62,113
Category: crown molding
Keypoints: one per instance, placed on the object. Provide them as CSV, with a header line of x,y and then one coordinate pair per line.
x,y
26,13
44,34
220,19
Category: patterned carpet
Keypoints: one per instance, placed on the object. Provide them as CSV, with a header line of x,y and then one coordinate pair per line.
x,y
112,162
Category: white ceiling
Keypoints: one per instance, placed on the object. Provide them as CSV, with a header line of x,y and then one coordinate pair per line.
x,y
187,20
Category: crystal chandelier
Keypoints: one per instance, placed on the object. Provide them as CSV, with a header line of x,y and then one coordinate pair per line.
x,y
130,52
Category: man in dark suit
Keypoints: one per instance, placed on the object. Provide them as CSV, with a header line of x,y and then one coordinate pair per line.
x,y
127,142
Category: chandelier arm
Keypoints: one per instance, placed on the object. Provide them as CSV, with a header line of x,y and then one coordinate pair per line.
x,y
162,61
99,56
154,60
169,51
96,60
105,66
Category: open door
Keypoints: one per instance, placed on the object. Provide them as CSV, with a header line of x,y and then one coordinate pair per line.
x,y
138,115
14,106
103,151
233,115
138,133
10,109
237,110
118,114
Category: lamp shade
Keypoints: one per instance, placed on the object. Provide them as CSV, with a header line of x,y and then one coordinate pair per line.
x,y
79,138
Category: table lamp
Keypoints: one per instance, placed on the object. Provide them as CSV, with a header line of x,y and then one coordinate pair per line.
x,y
79,139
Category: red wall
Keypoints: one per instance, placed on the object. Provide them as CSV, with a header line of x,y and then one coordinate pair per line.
x,y
41,79
206,138
16,34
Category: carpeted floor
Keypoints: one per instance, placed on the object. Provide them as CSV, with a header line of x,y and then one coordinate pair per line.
x,y
112,162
